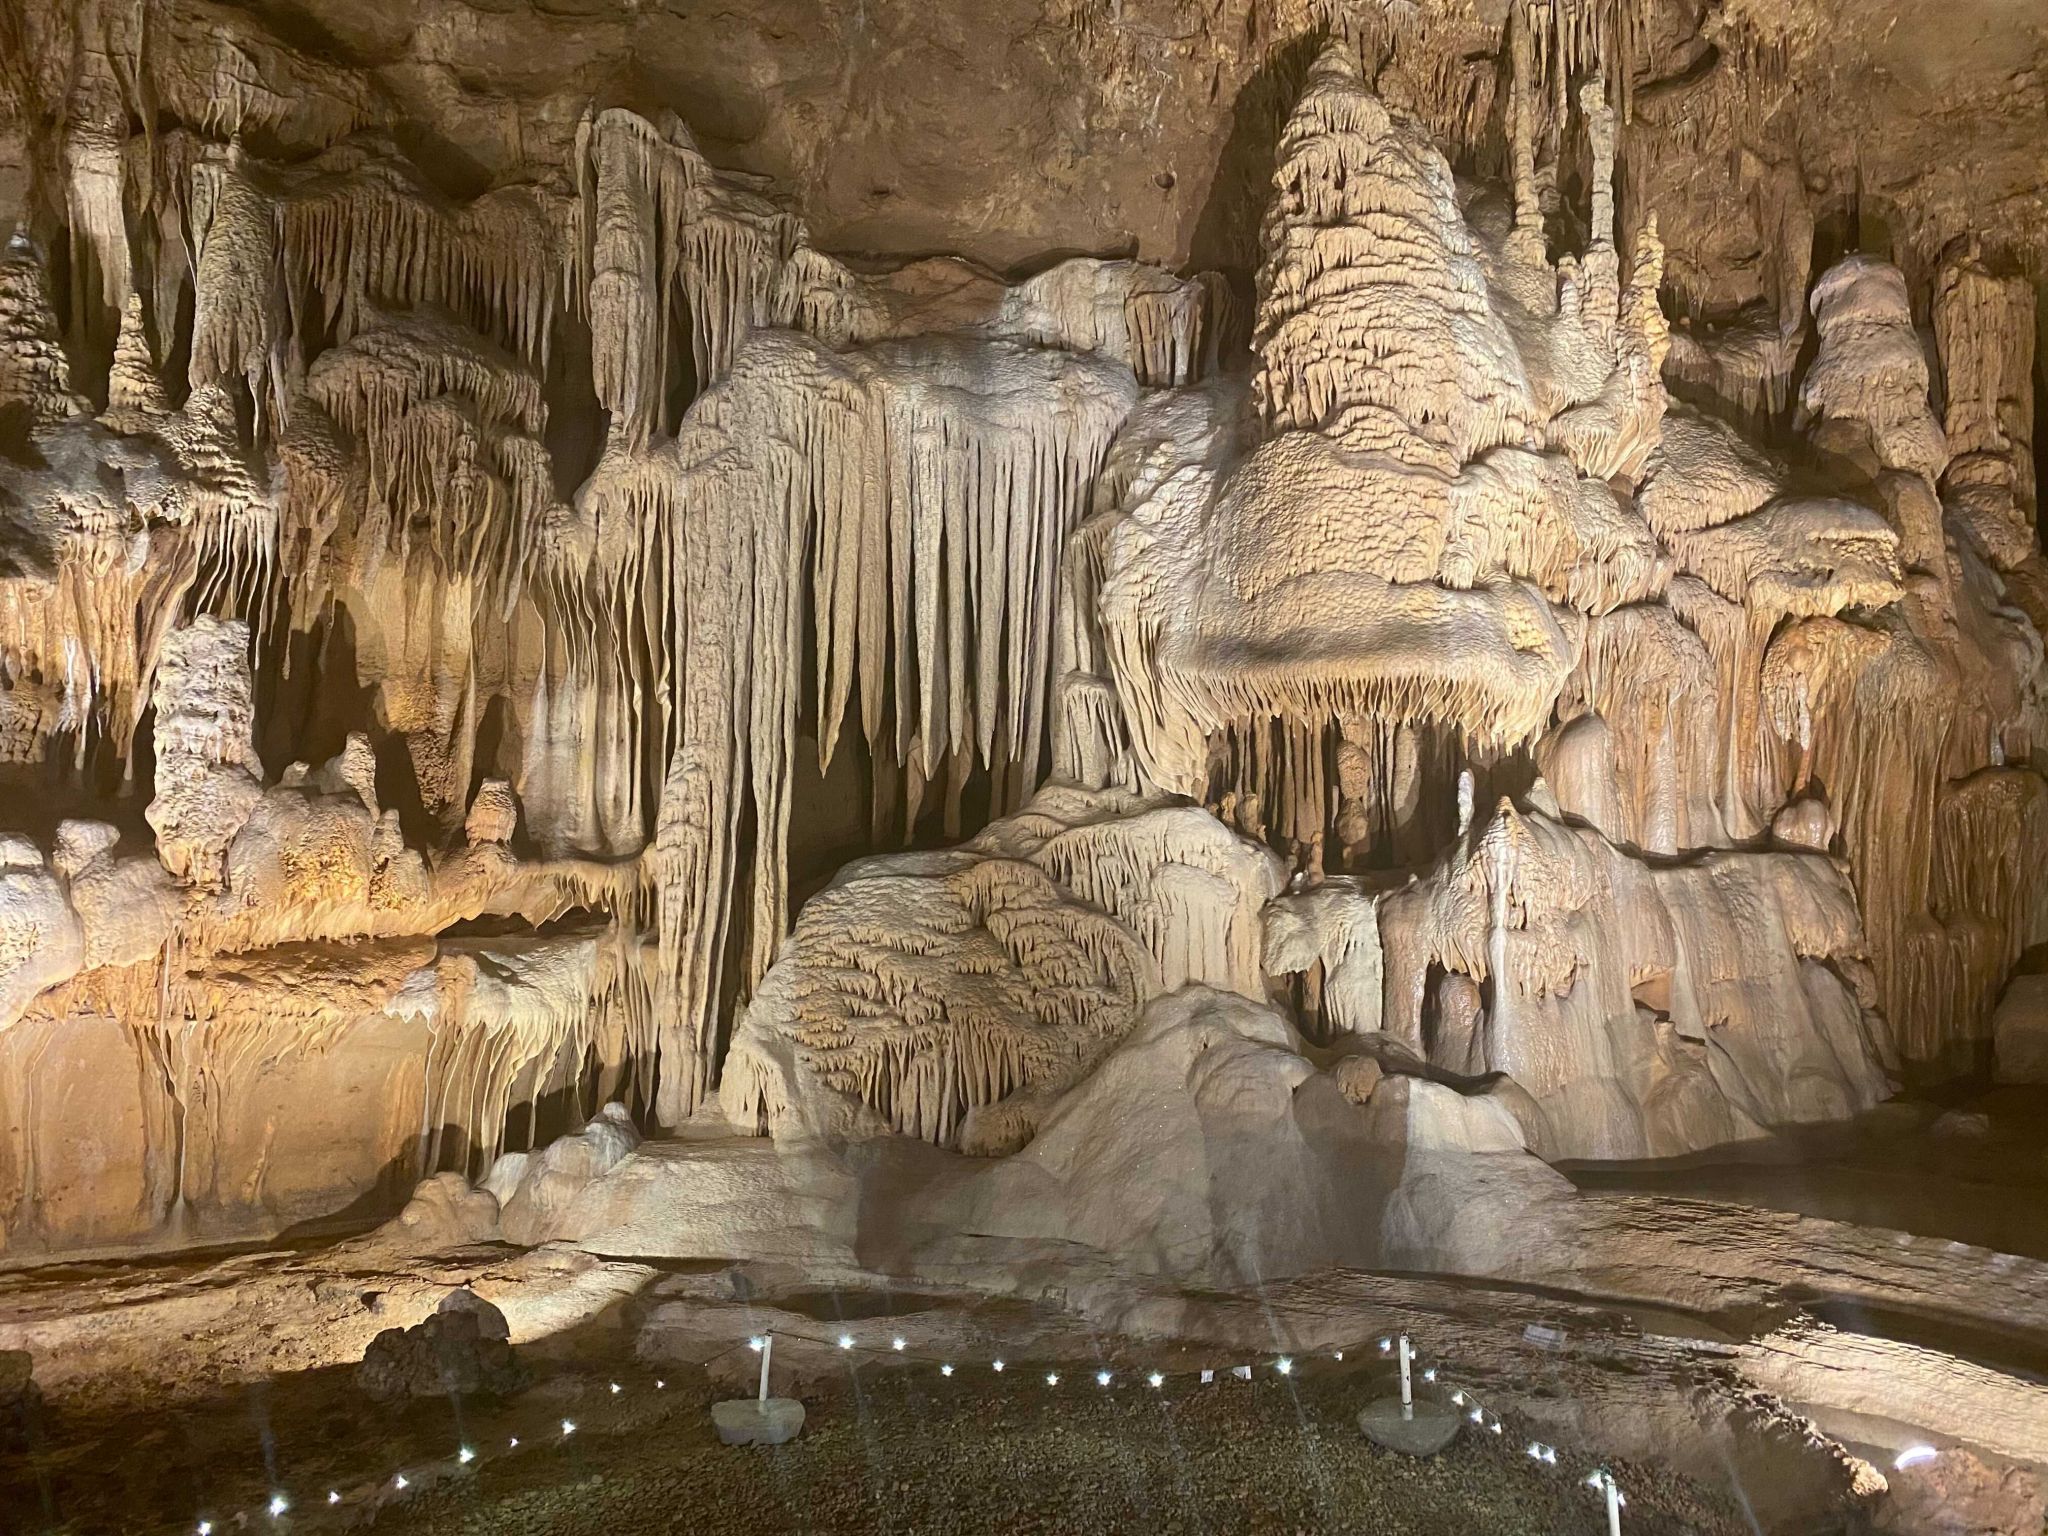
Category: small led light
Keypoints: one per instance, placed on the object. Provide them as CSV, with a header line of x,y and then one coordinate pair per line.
x,y
1385,1345
568,1426
1475,1415
945,1370
616,1389
465,1456
661,1386
757,1343
1102,1378
1495,1426
278,1505
1052,1378
1912,1456
1284,1366
846,1341
206,1528
333,1496
1535,1451
1458,1398
513,1443
1340,1354
1593,1479
999,1365
400,1482
1430,1374
897,1345
1550,1455
1156,1379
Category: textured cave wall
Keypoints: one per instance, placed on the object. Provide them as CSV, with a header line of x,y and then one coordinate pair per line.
x,y
631,508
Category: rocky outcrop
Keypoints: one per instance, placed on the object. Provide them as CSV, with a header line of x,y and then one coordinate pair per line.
x,y
463,1349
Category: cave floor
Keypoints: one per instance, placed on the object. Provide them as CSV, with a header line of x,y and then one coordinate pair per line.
x,y
889,1445
1834,1273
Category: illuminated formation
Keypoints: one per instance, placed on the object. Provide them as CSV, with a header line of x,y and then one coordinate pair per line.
x,y
498,664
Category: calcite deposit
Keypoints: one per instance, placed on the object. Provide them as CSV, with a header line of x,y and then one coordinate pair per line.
x,y
1206,636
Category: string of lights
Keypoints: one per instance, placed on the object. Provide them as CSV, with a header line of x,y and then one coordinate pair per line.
x,y
995,1368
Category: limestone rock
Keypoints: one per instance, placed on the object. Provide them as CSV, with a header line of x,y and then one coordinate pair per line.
x,y
462,1348
2019,1031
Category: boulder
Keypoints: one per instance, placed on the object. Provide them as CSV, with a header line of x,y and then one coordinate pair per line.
x,y
464,1348
2019,1032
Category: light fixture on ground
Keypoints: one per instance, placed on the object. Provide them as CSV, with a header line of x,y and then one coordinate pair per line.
x,y
1403,1424
1602,1482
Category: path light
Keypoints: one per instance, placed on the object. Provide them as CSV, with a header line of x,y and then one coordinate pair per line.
x,y
1284,1366
1602,1482
513,1443
1430,1374
660,1386
206,1528
846,1341
615,1389
568,1427
465,1456
1386,1345
1458,1398
400,1482
1052,1378
757,1343
1340,1354
1102,1378
278,1505
999,1365
333,1496
897,1345
1156,1379
945,1370
1912,1456
1475,1415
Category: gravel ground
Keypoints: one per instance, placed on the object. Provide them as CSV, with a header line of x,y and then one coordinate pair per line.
x,y
897,1451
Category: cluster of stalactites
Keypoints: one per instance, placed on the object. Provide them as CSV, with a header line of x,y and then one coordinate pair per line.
x,y
417,440
905,505
286,258
660,238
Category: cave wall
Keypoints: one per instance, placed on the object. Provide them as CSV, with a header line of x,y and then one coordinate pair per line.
x,y
462,467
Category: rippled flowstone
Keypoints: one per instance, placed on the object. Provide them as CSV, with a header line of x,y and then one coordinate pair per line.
x,y
1422,1430
758,1421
